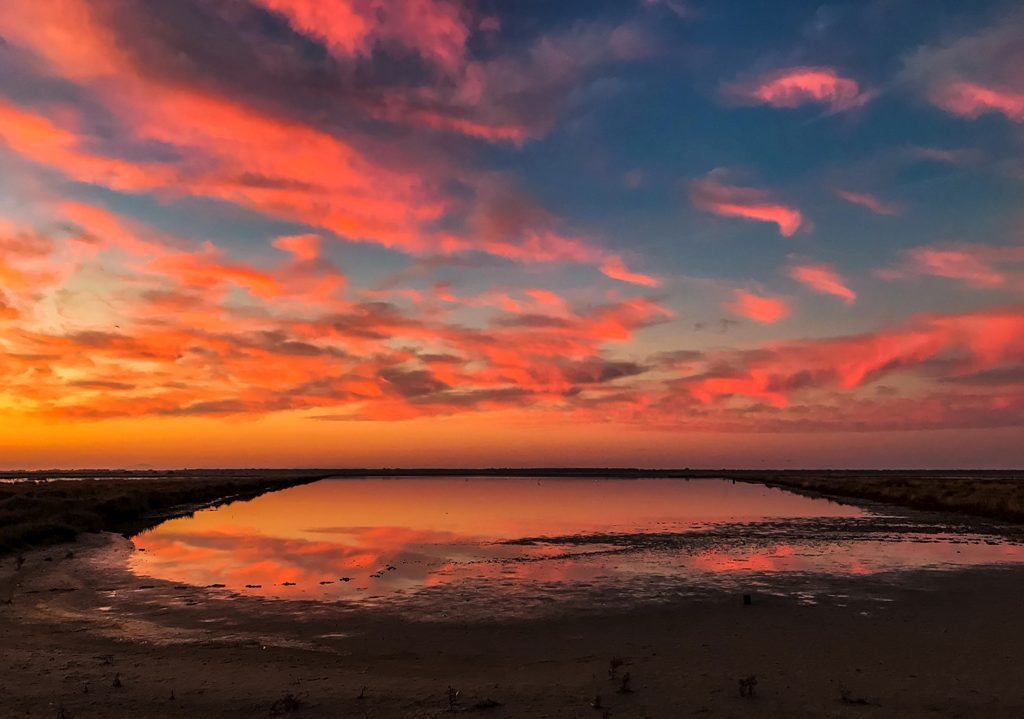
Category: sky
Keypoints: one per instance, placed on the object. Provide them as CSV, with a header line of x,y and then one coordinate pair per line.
x,y
511,232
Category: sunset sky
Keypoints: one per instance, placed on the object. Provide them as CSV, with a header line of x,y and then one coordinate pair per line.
x,y
511,232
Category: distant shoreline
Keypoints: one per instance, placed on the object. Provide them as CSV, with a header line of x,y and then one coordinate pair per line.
x,y
51,506
568,472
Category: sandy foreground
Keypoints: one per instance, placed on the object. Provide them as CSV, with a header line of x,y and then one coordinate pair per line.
x,y
82,637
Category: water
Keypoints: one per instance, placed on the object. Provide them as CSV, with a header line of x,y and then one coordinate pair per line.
x,y
504,542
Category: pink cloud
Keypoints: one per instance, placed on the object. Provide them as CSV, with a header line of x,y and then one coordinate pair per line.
x,y
956,264
767,310
973,73
969,99
435,29
710,195
876,205
983,266
824,279
796,86
942,154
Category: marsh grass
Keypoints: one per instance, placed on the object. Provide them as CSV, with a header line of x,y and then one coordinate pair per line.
x,y
35,514
994,497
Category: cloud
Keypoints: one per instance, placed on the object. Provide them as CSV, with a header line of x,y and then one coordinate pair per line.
x,y
824,279
308,128
972,100
954,345
949,156
879,207
973,74
7,312
304,248
759,308
436,30
182,349
189,330
615,268
977,265
710,194
795,86
509,223
680,8
254,127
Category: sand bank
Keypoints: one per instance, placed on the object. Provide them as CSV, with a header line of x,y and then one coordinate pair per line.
x,y
943,645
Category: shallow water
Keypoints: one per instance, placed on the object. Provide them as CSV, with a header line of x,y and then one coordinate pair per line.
x,y
499,543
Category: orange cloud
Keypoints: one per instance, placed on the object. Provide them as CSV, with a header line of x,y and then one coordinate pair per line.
x,y
178,342
6,311
304,248
757,307
969,344
824,279
615,268
756,384
710,195
796,86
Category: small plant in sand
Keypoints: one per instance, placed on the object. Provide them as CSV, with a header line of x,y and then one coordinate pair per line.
x,y
117,681
19,561
453,698
287,704
847,697
748,685
362,693
625,688
613,666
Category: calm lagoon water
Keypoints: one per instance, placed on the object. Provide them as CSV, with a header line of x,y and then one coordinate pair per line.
x,y
400,539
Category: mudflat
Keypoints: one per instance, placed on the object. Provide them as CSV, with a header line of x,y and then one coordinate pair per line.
x,y
84,637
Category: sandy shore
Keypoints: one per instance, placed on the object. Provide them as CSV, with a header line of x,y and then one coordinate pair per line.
x,y
947,645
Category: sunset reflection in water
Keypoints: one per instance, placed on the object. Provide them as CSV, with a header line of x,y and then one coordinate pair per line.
x,y
355,538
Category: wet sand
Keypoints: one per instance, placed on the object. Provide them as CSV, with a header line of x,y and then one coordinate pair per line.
x,y
945,645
